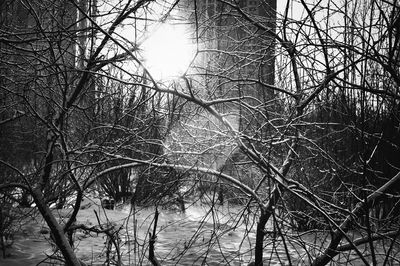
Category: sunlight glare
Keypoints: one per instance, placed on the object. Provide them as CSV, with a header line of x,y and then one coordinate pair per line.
x,y
168,52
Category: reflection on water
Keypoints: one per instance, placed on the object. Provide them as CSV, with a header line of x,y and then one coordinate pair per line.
x,y
26,251
221,235
202,235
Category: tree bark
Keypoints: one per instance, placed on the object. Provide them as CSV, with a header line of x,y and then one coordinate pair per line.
x,y
152,241
266,213
56,230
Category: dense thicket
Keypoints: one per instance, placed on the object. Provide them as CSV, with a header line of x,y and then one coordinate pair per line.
x,y
292,117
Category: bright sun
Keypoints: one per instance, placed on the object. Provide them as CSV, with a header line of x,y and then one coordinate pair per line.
x,y
168,52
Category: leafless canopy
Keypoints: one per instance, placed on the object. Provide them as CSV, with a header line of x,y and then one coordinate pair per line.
x,y
286,121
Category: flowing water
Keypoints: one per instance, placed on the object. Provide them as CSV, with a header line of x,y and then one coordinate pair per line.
x,y
221,235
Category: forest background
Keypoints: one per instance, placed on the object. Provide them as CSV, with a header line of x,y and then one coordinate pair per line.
x,y
290,112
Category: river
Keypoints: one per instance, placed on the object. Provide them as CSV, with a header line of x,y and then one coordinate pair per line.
x,y
221,235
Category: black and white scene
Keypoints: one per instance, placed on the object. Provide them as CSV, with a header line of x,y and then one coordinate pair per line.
x,y
199,132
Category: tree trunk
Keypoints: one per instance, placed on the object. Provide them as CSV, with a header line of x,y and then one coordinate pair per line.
x,y
260,237
58,233
266,213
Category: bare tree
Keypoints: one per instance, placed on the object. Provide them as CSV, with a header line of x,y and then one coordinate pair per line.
x,y
291,117
315,136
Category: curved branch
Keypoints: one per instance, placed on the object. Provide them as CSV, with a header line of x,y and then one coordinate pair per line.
x,y
360,208
136,163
